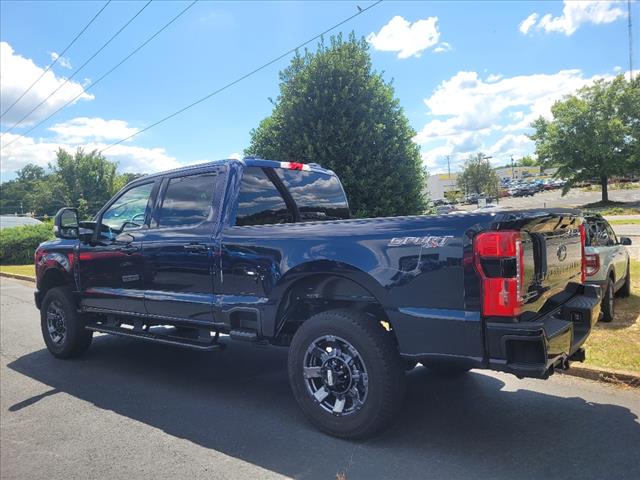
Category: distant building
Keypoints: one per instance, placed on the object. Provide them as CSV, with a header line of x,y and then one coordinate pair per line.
x,y
438,184
8,221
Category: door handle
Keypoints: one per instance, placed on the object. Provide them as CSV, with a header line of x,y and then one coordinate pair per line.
x,y
129,249
196,248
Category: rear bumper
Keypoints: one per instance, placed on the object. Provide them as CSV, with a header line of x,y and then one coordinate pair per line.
x,y
537,348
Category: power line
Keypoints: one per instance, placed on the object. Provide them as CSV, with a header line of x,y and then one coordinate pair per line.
x,y
243,77
55,60
133,52
81,67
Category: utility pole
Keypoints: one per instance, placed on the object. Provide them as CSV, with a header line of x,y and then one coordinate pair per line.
x,y
449,165
630,41
513,173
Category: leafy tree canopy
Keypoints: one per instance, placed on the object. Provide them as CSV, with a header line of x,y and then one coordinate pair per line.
x,y
83,180
478,176
594,134
335,110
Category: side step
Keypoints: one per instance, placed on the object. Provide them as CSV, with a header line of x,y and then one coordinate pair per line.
x,y
164,338
244,335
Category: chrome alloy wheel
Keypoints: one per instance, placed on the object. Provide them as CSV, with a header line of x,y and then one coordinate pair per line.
x,y
56,324
335,375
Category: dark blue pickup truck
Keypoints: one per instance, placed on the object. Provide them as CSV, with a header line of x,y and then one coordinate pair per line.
x,y
265,252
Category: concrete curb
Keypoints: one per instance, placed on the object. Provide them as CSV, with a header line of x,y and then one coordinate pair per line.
x,y
601,375
17,276
591,373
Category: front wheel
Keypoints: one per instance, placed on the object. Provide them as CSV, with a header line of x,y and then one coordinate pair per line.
x,y
346,373
607,303
625,291
63,328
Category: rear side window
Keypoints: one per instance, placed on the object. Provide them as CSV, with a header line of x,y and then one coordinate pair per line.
x,y
599,234
318,196
187,200
259,202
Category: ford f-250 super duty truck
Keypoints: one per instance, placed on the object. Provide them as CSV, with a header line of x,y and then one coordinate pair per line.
x,y
265,252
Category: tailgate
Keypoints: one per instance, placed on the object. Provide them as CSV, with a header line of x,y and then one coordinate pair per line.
x,y
552,256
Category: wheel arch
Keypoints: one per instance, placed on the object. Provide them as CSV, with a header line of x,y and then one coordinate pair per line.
x,y
51,278
324,285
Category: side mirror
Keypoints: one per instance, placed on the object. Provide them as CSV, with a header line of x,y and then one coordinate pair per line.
x,y
625,241
65,224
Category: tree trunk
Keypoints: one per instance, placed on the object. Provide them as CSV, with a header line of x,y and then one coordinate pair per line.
x,y
604,183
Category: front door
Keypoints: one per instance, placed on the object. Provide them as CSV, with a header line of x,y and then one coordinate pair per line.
x,y
178,249
111,266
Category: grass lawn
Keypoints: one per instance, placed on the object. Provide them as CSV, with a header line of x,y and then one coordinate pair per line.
x,y
28,270
631,221
617,344
613,208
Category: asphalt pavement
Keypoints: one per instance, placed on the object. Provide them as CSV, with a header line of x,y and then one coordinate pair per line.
x,y
134,410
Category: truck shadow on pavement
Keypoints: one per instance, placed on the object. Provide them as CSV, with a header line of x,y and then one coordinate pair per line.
x,y
238,402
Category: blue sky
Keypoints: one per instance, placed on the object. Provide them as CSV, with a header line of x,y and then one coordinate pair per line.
x,y
470,75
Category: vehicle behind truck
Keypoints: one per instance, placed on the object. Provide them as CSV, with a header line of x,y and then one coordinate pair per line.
x,y
265,252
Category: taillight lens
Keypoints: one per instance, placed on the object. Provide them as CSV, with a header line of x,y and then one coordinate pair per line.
x,y
499,259
592,263
583,241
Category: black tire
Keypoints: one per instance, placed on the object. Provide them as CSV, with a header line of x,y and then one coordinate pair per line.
x,y
608,302
447,370
625,290
62,326
374,358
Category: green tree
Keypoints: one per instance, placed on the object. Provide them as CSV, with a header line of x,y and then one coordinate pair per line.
x,y
594,134
85,180
335,110
527,161
478,176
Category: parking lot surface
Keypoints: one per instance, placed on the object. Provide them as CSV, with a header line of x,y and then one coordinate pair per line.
x,y
135,410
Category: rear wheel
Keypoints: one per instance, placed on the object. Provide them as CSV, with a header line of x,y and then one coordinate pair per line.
x,y
62,326
346,373
607,303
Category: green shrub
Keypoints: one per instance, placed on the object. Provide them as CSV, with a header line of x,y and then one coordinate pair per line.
x,y
17,244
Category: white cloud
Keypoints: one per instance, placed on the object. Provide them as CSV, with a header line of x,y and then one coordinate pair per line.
x,y
17,74
528,22
235,156
442,47
468,114
406,38
83,129
575,14
494,77
79,133
510,145
62,61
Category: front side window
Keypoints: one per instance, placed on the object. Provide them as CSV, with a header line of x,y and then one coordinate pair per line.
x,y
259,202
128,212
187,200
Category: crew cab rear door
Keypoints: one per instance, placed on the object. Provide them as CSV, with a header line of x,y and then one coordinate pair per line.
x,y
178,249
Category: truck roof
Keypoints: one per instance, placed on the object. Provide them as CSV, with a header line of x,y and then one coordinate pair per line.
x,y
249,161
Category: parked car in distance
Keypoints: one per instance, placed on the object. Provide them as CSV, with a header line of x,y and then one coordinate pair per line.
x,y
607,262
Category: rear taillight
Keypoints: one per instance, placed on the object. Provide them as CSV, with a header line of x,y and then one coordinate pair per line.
x,y
583,241
592,263
499,259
